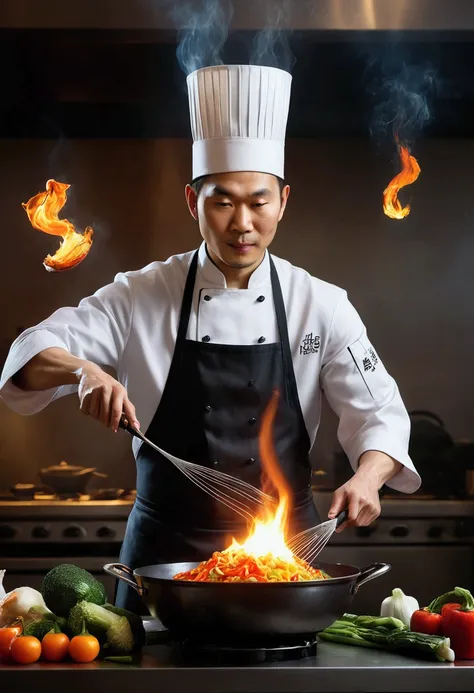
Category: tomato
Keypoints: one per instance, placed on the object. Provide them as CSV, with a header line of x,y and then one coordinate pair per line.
x,y
26,649
84,648
7,636
54,647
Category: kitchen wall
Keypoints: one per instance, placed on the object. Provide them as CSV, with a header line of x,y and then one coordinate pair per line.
x,y
412,280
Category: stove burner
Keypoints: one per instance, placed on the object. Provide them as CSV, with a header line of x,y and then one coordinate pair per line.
x,y
248,652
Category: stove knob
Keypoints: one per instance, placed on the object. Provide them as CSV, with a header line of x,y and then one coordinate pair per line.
x,y
461,530
74,532
40,532
435,532
7,532
365,531
106,533
400,531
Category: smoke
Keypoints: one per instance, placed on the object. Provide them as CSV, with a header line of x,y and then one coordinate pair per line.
x,y
203,27
271,46
403,101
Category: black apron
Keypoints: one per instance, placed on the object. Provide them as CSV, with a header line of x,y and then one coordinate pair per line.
x,y
209,414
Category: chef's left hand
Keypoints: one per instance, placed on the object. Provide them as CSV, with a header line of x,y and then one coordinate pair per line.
x,y
360,495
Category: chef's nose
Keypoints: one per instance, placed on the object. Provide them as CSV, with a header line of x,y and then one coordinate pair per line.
x,y
242,220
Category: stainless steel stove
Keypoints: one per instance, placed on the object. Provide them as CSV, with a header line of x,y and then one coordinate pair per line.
x,y
45,530
428,542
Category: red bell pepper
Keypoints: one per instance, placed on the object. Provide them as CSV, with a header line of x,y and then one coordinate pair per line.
x,y
425,621
457,617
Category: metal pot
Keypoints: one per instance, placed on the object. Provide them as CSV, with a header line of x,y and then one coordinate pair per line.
x,y
211,611
66,478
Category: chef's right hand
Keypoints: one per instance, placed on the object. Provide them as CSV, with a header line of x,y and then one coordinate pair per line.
x,y
103,397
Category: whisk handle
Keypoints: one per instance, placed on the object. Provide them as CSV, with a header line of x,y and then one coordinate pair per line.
x,y
342,517
127,426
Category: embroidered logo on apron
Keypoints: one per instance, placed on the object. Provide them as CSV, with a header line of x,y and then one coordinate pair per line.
x,y
310,344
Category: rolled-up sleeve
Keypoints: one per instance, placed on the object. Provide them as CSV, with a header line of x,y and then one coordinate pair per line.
x,y
365,397
96,330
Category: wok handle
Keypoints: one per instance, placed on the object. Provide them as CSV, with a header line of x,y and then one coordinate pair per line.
x,y
372,571
123,572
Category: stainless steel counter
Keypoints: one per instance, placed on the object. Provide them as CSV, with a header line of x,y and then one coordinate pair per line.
x,y
336,668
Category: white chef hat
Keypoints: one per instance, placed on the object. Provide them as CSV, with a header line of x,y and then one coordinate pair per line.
x,y
238,118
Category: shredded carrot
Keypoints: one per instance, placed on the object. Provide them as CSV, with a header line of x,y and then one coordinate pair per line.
x,y
234,565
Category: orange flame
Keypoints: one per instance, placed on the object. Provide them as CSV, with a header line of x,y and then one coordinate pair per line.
x,y
408,175
269,530
42,211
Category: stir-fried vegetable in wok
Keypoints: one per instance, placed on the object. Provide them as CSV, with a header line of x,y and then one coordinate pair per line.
x,y
238,566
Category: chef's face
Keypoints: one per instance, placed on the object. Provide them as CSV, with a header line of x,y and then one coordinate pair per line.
x,y
238,215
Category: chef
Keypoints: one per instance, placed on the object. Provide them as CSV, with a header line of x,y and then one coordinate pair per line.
x,y
199,343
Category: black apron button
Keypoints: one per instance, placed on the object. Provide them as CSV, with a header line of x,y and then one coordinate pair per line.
x,y
216,463
252,421
250,460
261,340
206,338
207,297
260,299
208,407
251,383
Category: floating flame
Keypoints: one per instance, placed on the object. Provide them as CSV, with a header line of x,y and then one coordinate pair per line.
x,y
269,530
42,211
409,173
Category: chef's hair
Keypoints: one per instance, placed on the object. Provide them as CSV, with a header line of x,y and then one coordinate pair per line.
x,y
197,184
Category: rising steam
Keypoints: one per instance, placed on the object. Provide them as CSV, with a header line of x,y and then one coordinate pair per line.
x,y
403,109
203,27
271,46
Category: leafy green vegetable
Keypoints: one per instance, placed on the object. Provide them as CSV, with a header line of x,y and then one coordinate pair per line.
x,y
39,628
419,643
38,613
387,633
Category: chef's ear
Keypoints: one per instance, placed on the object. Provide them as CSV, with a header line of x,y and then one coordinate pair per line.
x,y
284,199
191,199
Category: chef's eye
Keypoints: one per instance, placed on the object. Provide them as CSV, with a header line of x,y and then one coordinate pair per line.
x,y
260,204
223,204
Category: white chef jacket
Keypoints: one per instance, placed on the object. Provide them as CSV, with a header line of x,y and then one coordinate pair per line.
x,y
131,326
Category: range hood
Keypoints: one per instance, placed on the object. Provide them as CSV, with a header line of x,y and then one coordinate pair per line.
x,y
108,68
313,15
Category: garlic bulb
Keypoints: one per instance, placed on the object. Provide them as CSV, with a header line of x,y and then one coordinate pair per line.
x,y
399,605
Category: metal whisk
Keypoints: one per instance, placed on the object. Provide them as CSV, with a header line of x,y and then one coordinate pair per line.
x,y
236,494
309,543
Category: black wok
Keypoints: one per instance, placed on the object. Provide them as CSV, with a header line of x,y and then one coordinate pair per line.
x,y
214,611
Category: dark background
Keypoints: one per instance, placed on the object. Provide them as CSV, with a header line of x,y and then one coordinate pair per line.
x,y
107,112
